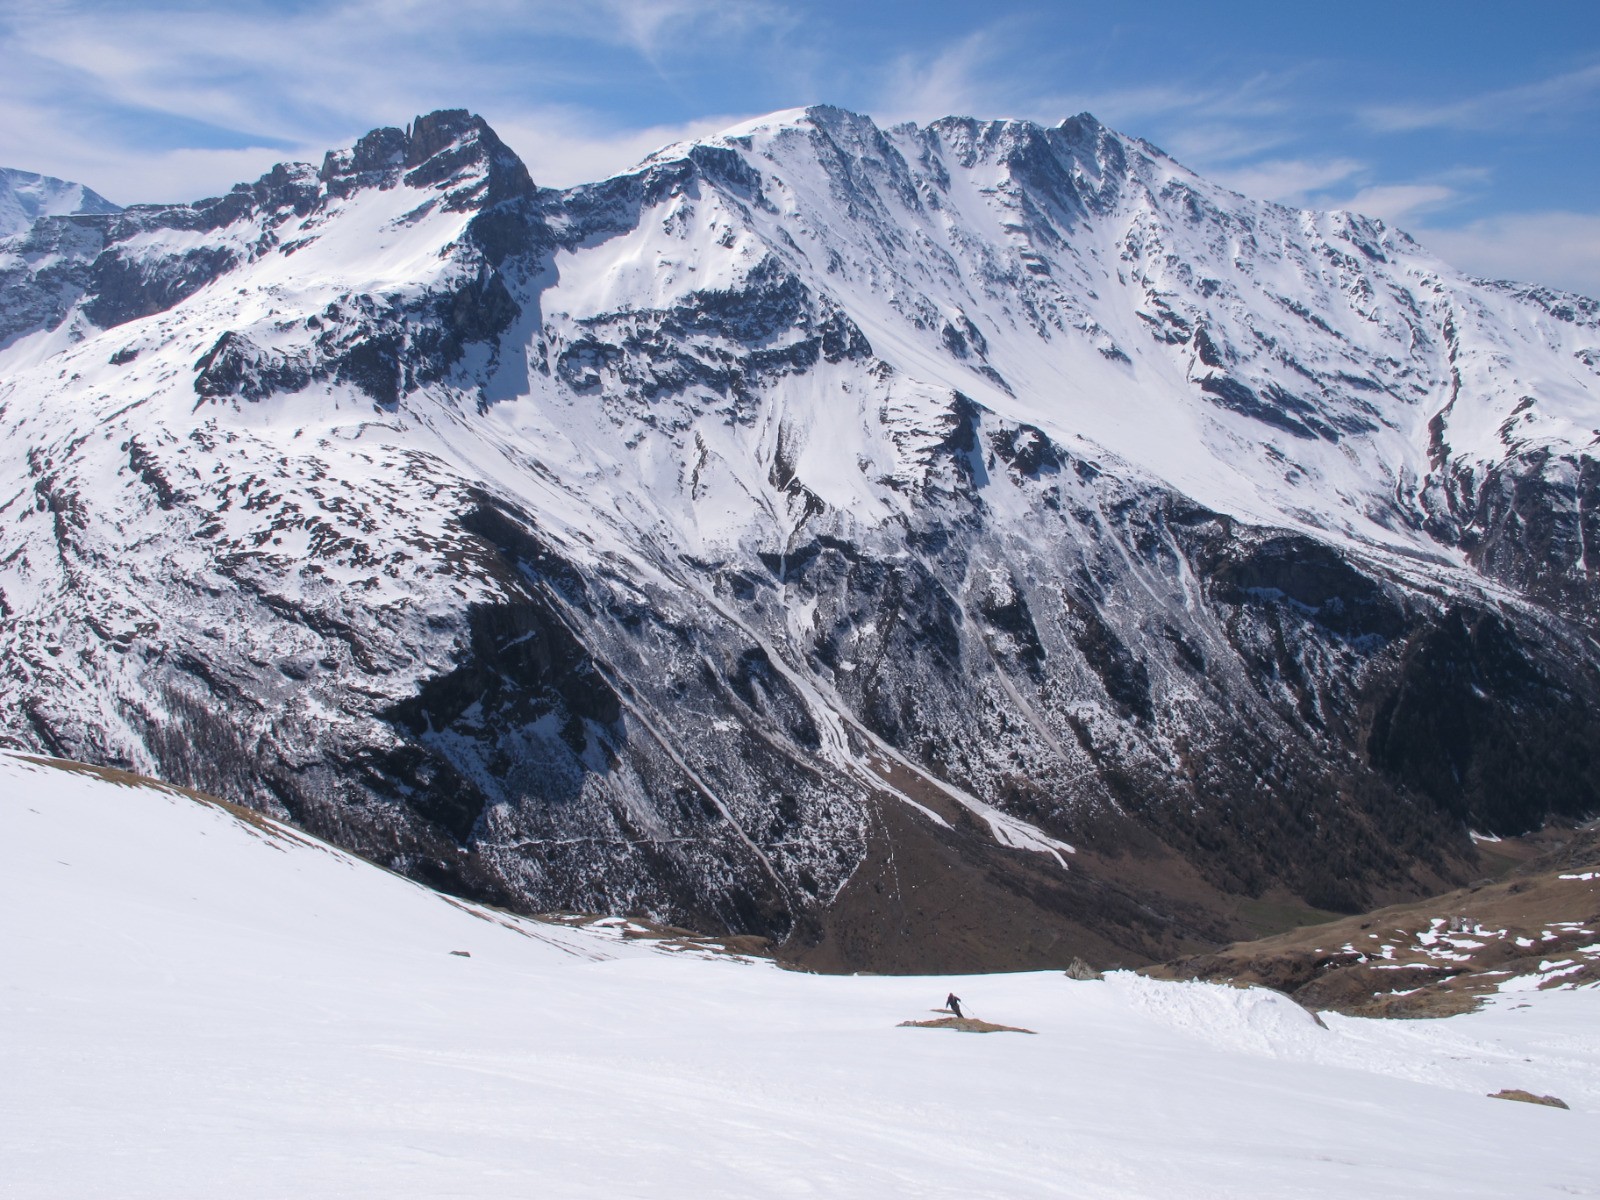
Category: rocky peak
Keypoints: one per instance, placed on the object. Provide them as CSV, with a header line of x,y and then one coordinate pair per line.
x,y
848,128
439,131
451,149
1083,129
125,266
1079,162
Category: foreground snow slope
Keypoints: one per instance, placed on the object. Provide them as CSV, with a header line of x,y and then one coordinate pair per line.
x,y
237,1010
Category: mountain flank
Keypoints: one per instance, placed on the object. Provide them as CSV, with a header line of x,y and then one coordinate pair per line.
x,y
967,546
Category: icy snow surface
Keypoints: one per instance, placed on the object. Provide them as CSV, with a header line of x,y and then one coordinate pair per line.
x,y
197,1005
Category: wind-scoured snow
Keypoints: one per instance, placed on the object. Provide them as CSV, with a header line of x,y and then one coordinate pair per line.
x,y
198,1003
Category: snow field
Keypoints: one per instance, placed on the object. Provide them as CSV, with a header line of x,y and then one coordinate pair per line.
x,y
198,1006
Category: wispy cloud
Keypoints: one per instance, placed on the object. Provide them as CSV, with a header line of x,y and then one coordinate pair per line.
x,y
1258,96
662,26
1564,94
1560,248
563,147
1292,181
287,80
1348,183
958,78
231,92
38,139
1400,203
1005,69
1219,144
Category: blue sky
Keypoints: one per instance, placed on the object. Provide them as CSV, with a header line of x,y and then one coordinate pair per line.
x,y
1474,124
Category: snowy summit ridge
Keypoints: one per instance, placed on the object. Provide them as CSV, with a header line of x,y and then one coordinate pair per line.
x,y
26,196
811,521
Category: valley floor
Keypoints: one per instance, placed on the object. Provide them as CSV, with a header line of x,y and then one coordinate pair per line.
x,y
195,1004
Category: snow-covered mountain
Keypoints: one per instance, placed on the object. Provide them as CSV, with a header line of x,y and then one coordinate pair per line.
x,y
969,545
200,1002
26,196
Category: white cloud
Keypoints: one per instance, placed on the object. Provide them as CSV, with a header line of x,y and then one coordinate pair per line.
x,y
181,175
1291,181
1396,203
1343,183
957,80
657,27
1560,94
562,148
1218,144
979,74
264,86
1560,249
38,140
1255,97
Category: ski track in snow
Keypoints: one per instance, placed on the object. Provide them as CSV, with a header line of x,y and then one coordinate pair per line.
x,y
199,1006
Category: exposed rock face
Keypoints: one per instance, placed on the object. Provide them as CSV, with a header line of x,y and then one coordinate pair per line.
x,y
967,546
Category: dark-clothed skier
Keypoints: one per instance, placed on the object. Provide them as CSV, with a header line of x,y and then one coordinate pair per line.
x,y
953,1003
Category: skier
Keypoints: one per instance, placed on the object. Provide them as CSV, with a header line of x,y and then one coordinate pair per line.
x,y
953,1003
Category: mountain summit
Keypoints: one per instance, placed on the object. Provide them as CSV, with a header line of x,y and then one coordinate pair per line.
x,y
25,197
963,546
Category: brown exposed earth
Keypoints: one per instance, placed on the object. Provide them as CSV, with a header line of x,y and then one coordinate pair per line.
x,y
1529,1098
927,900
1535,928
954,901
965,1025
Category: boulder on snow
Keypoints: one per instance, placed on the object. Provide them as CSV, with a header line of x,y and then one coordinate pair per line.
x,y
965,1025
1527,1097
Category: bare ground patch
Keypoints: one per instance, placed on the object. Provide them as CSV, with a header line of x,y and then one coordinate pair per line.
x,y
964,1025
